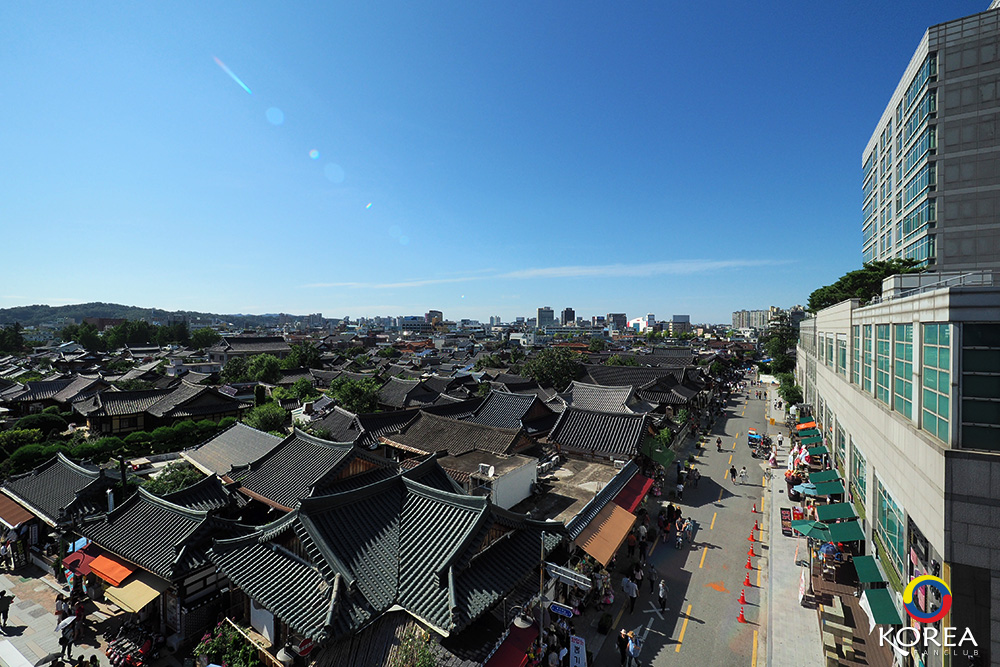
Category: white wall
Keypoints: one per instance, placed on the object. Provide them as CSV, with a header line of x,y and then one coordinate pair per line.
x,y
512,487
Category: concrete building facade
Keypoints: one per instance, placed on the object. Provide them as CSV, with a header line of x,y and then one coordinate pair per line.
x,y
931,170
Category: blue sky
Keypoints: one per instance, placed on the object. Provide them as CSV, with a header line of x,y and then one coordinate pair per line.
x,y
660,157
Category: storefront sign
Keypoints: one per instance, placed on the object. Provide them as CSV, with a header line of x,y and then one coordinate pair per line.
x,y
561,610
786,521
577,651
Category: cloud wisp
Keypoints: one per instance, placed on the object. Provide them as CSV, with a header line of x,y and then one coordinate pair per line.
x,y
644,270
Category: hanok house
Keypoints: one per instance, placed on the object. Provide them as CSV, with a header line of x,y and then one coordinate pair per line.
x,y
302,465
504,409
113,412
36,396
235,447
485,460
398,394
149,557
600,435
343,570
248,346
54,494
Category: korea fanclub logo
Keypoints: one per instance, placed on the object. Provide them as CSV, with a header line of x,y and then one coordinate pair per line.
x,y
927,637
910,599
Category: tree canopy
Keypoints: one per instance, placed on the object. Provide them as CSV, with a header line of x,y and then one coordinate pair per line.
x,y
597,344
620,360
264,368
176,476
864,283
11,339
268,417
302,355
204,337
553,367
357,396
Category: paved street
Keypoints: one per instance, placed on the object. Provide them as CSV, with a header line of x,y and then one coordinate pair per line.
x,y
705,580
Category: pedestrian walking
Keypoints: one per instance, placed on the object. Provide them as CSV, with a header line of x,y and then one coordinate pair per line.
x,y
4,609
732,473
662,596
66,642
623,646
634,648
632,590
642,531
680,490
743,475
718,444
653,577
695,476
632,541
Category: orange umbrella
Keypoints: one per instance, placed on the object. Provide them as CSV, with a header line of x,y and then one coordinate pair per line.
x,y
802,427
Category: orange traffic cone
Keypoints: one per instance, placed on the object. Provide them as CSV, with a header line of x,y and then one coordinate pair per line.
x,y
743,597
741,618
751,538
755,526
751,553
749,566
754,510
746,580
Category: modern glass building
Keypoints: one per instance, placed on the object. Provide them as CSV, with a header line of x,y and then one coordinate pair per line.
x,y
931,170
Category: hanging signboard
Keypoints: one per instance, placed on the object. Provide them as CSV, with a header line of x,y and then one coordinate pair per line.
x,y
577,651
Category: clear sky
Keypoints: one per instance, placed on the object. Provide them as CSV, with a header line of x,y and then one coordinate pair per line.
x,y
480,158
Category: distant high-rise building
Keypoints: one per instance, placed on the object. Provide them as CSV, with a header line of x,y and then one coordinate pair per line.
x,y
494,320
432,315
617,321
680,324
568,316
751,319
545,317
597,321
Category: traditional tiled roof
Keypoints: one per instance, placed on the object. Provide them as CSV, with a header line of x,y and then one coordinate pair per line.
x,y
60,490
210,493
431,433
374,425
293,375
600,433
604,399
39,390
233,448
620,376
506,410
341,425
398,393
167,539
252,345
397,542
183,400
291,469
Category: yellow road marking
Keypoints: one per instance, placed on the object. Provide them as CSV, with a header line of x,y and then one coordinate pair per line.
x,y
714,514
730,463
758,576
620,612
763,481
684,626
753,658
762,499
704,552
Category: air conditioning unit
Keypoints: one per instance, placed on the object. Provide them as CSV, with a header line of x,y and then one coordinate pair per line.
x,y
484,469
619,464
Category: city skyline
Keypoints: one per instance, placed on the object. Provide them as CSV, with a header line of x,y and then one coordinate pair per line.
x,y
480,160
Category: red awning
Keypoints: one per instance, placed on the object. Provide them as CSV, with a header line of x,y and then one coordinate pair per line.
x,y
110,569
513,652
633,493
78,562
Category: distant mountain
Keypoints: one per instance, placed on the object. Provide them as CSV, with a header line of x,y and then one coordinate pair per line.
x,y
43,314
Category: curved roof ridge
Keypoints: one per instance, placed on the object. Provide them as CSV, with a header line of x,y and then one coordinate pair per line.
x,y
173,507
347,497
471,424
76,467
478,503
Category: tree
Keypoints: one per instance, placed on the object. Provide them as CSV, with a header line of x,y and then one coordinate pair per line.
x,y
302,355
864,284
597,345
267,417
88,337
235,370
619,360
357,396
176,476
389,353
553,367
264,368
46,422
134,384
11,340
204,337
303,389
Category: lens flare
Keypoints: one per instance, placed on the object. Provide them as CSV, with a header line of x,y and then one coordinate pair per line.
x,y
334,172
314,154
275,116
231,75
369,205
